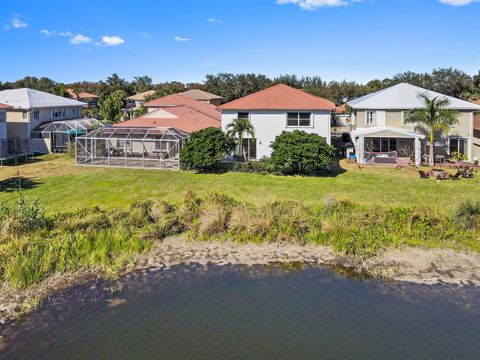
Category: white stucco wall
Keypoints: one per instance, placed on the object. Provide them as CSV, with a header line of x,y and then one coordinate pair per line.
x,y
270,124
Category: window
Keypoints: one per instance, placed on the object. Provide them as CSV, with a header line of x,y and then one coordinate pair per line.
x,y
3,117
458,145
371,118
299,119
250,148
124,144
58,113
161,146
243,116
36,115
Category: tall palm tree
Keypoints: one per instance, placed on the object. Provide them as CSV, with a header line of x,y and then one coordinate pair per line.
x,y
433,119
237,129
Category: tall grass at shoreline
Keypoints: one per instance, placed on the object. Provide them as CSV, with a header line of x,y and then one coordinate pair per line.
x,y
34,246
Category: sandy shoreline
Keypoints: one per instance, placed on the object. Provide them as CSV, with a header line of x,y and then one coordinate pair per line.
x,y
423,266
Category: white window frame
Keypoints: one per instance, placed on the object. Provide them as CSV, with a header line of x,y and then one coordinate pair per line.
x,y
373,120
37,112
467,142
310,125
63,110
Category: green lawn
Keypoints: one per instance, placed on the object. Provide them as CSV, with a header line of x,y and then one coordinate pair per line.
x,y
61,186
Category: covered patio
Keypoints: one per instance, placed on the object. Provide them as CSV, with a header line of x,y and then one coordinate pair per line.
x,y
152,148
383,145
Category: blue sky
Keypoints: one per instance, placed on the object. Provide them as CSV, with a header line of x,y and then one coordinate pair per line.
x,y
186,39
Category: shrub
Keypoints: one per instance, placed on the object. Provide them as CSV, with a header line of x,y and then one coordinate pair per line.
x,y
205,148
467,215
298,152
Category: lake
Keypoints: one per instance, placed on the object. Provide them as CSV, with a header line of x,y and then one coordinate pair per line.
x,y
232,312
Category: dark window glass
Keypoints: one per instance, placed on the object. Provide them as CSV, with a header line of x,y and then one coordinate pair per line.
x,y
243,116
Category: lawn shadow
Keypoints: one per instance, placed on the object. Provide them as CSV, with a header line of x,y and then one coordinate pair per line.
x,y
17,183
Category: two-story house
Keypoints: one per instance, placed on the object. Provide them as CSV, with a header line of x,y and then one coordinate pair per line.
x,y
274,110
30,109
380,132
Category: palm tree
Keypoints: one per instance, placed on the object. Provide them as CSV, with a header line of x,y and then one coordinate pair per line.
x,y
433,119
237,129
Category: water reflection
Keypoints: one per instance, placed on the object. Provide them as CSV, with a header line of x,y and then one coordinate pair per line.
x,y
280,312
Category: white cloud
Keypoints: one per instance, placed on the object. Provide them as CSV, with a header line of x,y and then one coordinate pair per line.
x,y
181,39
65,33
16,23
112,40
458,2
80,39
48,33
214,21
313,4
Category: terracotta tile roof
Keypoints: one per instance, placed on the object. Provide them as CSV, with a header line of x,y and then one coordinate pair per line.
x,y
81,95
141,96
183,117
279,97
177,99
5,106
197,94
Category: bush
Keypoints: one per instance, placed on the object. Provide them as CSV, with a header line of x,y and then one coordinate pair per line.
x,y
467,215
205,148
300,153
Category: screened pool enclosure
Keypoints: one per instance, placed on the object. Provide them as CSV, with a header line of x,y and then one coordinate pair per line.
x,y
153,148
60,134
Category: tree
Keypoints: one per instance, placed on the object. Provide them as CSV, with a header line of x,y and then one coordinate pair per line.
x,y
205,148
434,119
300,152
142,83
237,129
110,108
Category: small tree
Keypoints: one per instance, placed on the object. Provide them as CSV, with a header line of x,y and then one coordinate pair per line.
x,y
300,152
205,148
110,109
237,129
433,119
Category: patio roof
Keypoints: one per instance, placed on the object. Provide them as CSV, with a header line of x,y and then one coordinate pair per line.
x,y
380,131
68,126
137,133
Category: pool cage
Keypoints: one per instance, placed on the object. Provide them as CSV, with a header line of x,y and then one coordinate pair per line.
x,y
63,133
152,148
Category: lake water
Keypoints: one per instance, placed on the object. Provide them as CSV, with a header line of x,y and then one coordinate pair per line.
x,y
193,312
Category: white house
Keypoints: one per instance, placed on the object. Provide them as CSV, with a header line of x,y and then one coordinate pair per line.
x,y
380,133
31,109
277,109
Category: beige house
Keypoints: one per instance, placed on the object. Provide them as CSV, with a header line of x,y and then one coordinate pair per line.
x,y
137,100
31,109
381,135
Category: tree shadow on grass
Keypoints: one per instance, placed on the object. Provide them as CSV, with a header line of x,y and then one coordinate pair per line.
x,y
17,183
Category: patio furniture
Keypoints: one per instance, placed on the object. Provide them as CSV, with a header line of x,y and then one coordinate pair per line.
x,y
439,159
423,174
468,174
457,176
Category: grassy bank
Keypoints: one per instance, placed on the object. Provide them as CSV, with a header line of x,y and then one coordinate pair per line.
x,y
34,246
60,185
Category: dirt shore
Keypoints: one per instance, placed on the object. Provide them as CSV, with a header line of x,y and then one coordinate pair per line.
x,y
425,266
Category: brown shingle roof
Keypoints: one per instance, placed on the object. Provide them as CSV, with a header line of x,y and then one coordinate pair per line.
x,y
141,96
81,95
197,94
279,97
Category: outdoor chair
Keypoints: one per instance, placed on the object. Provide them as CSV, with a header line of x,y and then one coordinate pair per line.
x,y
456,176
423,174
468,174
443,176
